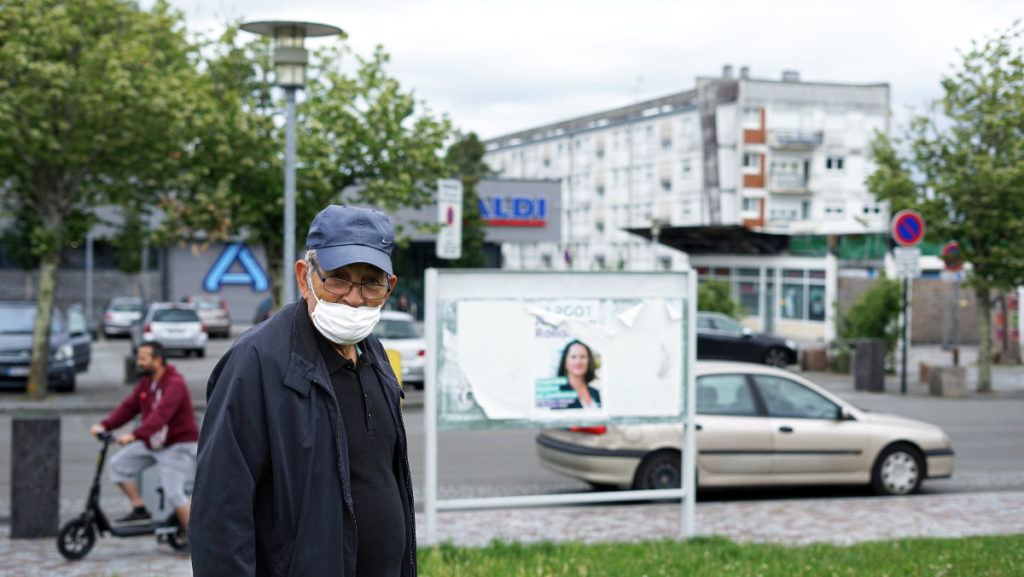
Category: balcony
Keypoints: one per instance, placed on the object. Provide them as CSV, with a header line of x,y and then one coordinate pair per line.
x,y
788,183
795,139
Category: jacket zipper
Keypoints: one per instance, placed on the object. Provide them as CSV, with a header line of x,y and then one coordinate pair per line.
x,y
337,448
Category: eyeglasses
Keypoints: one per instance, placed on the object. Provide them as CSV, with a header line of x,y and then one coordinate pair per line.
x,y
340,287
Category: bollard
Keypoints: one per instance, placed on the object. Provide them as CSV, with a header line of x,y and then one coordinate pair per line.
x,y
130,375
35,475
869,365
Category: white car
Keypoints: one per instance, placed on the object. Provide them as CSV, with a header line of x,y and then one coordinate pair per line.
x,y
176,326
758,426
399,331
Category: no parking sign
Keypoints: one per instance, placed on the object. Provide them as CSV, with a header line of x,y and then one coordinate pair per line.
x,y
907,228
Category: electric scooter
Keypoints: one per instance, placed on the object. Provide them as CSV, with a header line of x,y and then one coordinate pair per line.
x,y
77,536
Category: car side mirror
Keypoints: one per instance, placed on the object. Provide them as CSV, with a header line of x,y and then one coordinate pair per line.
x,y
844,414
747,331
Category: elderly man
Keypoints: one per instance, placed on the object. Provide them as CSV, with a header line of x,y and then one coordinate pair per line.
x,y
303,467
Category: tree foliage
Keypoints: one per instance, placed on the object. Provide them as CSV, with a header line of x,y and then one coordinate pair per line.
x,y
358,132
964,170
92,94
466,157
874,315
716,296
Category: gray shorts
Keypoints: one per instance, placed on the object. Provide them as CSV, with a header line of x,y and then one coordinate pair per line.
x,y
175,466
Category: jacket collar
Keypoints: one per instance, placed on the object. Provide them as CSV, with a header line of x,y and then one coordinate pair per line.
x,y
304,362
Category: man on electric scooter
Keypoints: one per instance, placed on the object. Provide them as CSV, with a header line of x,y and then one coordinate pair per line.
x,y
166,437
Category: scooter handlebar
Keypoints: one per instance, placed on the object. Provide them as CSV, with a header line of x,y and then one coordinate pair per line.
x,y
105,436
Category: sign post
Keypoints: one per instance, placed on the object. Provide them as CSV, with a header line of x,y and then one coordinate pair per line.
x,y
907,230
449,216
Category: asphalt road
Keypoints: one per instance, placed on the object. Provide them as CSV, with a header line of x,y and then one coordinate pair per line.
x,y
986,433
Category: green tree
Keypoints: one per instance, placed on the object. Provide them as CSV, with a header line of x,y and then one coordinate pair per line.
x,y
965,171
875,314
361,140
466,157
91,99
716,296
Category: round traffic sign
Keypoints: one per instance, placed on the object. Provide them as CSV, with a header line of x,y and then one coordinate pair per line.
x,y
907,228
952,256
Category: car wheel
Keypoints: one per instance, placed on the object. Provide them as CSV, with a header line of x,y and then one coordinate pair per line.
x,y
898,470
76,539
776,357
67,386
659,470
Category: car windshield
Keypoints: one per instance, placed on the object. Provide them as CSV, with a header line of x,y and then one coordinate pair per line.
x,y
16,320
126,307
206,305
175,316
396,329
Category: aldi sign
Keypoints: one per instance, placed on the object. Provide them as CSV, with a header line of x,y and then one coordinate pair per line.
x,y
514,211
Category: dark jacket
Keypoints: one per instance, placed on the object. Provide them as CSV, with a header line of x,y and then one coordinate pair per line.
x,y
167,414
272,491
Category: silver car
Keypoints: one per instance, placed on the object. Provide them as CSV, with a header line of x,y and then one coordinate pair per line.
x,y
758,426
176,326
120,314
398,331
213,311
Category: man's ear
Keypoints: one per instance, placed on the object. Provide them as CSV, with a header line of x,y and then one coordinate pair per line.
x,y
300,277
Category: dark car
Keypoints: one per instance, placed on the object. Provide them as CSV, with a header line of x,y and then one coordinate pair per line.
x,y
724,338
17,321
264,311
81,337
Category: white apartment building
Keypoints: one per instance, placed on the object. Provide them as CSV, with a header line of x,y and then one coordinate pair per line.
x,y
780,156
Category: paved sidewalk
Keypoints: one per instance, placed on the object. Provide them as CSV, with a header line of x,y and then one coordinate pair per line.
x,y
796,521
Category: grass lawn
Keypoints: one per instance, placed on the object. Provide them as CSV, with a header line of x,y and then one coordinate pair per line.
x,y
1001,556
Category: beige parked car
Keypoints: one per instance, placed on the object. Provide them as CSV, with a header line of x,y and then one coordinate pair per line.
x,y
758,426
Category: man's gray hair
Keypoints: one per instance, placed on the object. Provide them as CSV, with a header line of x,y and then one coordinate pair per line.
x,y
313,262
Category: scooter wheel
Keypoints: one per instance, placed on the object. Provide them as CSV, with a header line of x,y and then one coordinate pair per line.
x,y
178,540
76,539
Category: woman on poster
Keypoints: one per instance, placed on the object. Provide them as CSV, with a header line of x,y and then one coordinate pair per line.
x,y
578,367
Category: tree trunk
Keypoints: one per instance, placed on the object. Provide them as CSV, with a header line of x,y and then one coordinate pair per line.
x,y
37,377
275,253
982,296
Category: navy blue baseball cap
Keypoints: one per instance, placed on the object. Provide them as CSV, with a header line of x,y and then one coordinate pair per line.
x,y
343,235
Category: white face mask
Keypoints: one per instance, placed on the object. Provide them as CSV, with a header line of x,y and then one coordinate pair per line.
x,y
342,324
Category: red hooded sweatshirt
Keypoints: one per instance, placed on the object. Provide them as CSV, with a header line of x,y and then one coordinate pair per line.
x,y
166,408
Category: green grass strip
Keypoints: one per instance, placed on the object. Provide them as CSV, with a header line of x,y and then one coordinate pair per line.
x,y
996,556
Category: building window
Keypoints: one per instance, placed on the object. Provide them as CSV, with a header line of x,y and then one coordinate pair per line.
x,y
833,163
545,260
666,185
599,263
805,210
686,166
751,160
816,303
750,297
751,204
599,226
751,117
793,301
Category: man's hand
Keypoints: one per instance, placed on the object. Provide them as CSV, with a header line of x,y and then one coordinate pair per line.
x,y
125,439
96,429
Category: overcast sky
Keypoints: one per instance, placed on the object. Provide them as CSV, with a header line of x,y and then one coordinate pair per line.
x,y
498,66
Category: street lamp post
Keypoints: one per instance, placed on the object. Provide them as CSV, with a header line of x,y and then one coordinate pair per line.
x,y
290,58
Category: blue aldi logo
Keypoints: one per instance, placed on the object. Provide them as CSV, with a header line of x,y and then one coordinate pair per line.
x,y
252,273
514,211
